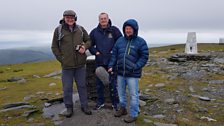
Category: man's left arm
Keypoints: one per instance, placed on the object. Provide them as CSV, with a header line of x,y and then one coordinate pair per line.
x,y
144,55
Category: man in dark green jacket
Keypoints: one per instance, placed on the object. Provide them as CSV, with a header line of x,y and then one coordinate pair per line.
x,y
69,44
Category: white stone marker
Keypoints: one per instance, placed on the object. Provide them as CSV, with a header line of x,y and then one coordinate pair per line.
x,y
221,41
191,44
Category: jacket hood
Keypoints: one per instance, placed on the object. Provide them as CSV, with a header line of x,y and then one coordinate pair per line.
x,y
61,21
134,24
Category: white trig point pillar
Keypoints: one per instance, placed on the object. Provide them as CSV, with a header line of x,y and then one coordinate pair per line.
x,y
191,44
221,41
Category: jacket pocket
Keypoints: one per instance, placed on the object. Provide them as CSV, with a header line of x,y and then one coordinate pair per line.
x,y
81,59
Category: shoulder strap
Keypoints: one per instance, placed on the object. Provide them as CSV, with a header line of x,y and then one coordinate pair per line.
x,y
80,28
60,35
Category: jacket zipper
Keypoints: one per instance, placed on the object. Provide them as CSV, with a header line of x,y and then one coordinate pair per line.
x,y
74,53
129,49
125,55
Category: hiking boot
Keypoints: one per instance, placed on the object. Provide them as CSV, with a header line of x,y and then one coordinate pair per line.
x,y
68,113
97,107
130,119
120,112
86,111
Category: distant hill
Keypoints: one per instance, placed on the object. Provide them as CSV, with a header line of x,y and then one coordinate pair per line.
x,y
43,53
14,56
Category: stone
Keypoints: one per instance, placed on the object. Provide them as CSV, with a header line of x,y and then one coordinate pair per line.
x,y
55,73
142,103
46,104
191,89
52,84
160,116
219,60
27,98
16,104
221,41
185,120
216,82
163,124
191,44
170,101
144,97
208,118
147,90
4,88
19,107
57,94
181,57
36,76
160,85
204,98
150,85
179,110
40,93
57,77
22,81
147,121
13,79
30,120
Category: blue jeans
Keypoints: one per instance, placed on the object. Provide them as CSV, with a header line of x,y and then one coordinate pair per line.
x,y
133,90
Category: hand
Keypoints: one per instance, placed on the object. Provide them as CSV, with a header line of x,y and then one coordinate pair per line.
x,y
97,53
110,70
82,49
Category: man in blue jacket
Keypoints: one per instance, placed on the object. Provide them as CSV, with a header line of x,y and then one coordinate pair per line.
x,y
103,39
129,55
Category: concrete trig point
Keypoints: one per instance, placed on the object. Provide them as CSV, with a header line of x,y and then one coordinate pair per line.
x,y
191,44
221,41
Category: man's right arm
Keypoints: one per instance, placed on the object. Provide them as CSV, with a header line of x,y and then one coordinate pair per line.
x,y
55,46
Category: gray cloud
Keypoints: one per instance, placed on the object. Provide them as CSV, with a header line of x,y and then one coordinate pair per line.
x,y
27,23
151,14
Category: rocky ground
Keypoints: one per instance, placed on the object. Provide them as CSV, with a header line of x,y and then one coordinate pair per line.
x,y
175,90
190,91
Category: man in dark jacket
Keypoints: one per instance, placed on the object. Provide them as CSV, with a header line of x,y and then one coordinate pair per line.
x,y
103,39
129,55
69,44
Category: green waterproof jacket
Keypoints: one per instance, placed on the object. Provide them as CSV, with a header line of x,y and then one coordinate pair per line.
x,y
64,48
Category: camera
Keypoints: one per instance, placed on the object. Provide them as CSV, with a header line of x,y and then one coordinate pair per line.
x,y
77,47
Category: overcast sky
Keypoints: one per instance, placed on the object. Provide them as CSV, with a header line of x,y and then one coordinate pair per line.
x,y
28,22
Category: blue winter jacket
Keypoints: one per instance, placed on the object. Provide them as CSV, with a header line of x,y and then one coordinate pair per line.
x,y
103,41
129,54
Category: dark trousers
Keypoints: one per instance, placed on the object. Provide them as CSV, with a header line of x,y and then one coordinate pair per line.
x,y
79,75
113,90
112,87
